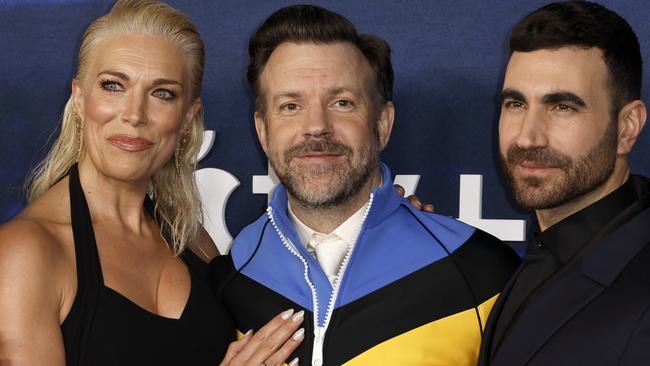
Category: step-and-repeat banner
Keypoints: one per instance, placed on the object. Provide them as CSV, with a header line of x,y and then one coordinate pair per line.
x,y
449,59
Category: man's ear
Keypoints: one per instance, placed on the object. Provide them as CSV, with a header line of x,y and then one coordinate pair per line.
x,y
385,123
631,120
260,127
77,99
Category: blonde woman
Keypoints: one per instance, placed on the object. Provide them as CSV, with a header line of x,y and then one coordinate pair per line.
x,y
106,265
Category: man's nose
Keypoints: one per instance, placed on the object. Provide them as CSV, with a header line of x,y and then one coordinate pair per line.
x,y
318,122
532,133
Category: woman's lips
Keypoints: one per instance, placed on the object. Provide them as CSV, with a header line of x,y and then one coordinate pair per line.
x,y
128,143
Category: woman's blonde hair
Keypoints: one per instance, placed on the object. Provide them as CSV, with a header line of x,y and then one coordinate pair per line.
x,y
174,192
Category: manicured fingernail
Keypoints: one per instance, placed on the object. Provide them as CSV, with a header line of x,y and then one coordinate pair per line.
x,y
294,362
286,314
298,316
298,334
250,331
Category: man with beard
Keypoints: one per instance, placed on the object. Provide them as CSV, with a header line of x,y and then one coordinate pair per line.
x,y
379,281
570,116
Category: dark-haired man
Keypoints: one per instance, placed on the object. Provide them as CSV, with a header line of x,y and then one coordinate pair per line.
x,y
380,281
570,116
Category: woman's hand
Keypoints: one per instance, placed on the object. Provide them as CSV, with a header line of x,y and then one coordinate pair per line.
x,y
415,201
271,345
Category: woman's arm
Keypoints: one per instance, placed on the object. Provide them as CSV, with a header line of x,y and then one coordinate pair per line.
x,y
31,296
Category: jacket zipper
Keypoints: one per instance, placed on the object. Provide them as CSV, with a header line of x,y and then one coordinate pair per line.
x,y
319,332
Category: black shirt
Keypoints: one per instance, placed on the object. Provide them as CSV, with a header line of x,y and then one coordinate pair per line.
x,y
550,251
104,328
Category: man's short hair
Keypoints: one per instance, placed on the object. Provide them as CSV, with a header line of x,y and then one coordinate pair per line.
x,y
586,25
314,24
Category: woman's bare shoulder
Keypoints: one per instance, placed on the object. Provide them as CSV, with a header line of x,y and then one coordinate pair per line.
x,y
39,234
30,241
30,259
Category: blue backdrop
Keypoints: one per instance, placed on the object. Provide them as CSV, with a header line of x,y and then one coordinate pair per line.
x,y
449,58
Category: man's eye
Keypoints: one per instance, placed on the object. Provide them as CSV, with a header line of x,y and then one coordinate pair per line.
x,y
164,94
290,107
564,108
513,104
110,86
343,104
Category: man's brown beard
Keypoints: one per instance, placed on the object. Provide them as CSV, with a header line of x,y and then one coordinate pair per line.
x,y
579,176
346,181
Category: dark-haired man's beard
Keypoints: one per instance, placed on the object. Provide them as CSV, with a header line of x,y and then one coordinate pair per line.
x,y
577,176
328,183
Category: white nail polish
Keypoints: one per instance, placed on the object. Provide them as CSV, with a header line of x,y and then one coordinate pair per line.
x,y
248,333
298,316
286,314
298,334
294,362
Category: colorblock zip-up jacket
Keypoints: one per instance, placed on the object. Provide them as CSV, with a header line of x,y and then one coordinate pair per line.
x,y
415,289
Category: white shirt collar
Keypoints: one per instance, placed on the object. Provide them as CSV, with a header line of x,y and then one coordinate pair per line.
x,y
346,231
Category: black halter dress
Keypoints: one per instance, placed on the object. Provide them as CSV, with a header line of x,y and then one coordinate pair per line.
x,y
105,328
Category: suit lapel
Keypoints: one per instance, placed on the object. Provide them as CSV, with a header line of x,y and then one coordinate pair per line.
x,y
605,258
544,316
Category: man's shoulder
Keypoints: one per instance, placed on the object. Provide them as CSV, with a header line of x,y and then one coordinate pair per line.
x,y
415,224
486,251
452,233
486,262
242,248
482,256
250,235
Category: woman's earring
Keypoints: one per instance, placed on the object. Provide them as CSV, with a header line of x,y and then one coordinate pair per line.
x,y
179,151
79,128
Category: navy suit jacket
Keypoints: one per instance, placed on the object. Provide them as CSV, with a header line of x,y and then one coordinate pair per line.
x,y
596,312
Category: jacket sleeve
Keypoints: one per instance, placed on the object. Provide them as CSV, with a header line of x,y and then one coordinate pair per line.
x,y
637,351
